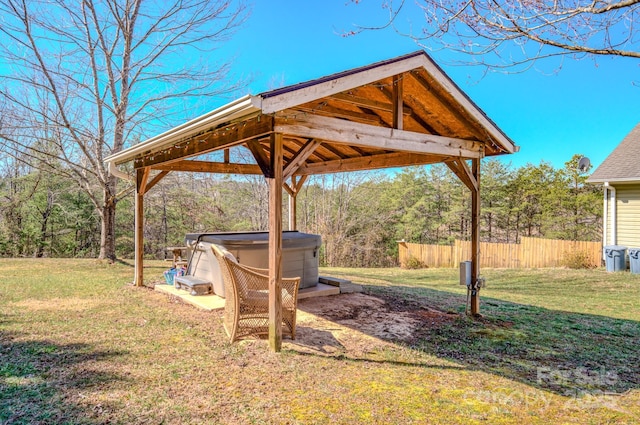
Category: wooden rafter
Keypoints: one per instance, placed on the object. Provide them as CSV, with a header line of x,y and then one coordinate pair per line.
x,y
398,104
341,131
142,178
356,149
335,151
454,109
261,157
290,149
417,118
300,158
464,173
411,106
295,185
426,117
156,179
316,154
224,137
364,102
372,162
210,167
285,100
297,182
288,189
332,111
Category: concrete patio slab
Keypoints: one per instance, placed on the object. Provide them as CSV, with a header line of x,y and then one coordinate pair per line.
x,y
213,302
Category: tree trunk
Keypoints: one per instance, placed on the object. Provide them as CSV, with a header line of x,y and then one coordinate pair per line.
x,y
43,225
108,222
490,223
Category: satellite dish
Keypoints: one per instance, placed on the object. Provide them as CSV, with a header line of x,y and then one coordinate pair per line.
x,y
584,164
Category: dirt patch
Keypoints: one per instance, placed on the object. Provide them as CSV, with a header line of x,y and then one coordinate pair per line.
x,y
359,323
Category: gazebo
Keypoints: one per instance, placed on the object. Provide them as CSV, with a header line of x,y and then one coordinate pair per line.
x,y
399,112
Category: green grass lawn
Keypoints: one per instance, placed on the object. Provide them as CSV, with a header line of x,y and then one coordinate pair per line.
x,y
79,345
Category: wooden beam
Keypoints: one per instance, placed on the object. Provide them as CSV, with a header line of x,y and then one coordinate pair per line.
x,y
293,190
355,149
275,244
372,162
428,127
300,158
368,103
142,179
397,102
338,83
293,144
341,131
319,154
464,103
422,123
141,182
223,137
288,188
261,157
298,185
210,167
435,90
475,241
451,104
414,115
462,170
293,207
156,179
331,111
336,152
415,107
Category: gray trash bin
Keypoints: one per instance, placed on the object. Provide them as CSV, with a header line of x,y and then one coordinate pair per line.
x,y
615,258
634,260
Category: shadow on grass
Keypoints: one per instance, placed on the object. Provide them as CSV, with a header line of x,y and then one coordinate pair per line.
x,y
346,358
128,263
42,381
567,353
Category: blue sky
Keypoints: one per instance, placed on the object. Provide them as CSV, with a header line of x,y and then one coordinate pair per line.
x,y
587,107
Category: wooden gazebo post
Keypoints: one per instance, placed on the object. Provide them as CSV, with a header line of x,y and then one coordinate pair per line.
x,y
293,206
471,178
141,186
475,238
275,243
293,190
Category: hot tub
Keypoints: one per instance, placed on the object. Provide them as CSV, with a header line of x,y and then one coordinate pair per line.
x,y
299,255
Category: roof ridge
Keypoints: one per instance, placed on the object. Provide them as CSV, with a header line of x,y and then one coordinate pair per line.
x,y
623,163
308,83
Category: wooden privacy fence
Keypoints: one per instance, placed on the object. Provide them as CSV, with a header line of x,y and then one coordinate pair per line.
x,y
529,253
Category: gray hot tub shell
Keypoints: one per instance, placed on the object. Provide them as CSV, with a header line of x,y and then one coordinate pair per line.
x,y
299,255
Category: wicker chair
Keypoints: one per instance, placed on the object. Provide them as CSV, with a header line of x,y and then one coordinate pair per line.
x,y
246,308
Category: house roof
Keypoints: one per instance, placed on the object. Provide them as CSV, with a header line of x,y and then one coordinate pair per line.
x,y
401,111
623,164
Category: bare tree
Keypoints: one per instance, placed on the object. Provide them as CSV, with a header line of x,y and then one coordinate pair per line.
x,y
516,33
91,76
